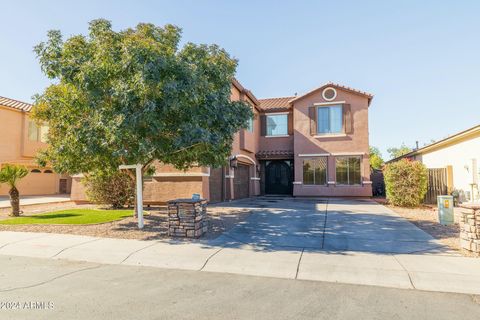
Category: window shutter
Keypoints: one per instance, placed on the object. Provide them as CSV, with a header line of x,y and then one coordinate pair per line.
x,y
290,123
263,125
348,119
312,114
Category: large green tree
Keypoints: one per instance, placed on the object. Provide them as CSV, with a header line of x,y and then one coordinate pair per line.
x,y
398,152
134,96
376,161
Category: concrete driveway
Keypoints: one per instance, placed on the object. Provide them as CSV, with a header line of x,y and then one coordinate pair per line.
x,y
329,225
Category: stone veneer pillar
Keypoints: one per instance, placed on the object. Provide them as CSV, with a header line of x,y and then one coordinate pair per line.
x,y
470,228
187,218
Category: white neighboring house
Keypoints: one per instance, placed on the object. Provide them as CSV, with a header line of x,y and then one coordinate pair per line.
x,y
461,151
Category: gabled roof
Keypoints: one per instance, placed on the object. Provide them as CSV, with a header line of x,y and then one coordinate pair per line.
x,y
275,104
15,104
335,85
458,137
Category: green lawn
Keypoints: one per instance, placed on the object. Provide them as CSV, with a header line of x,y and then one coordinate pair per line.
x,y
71,216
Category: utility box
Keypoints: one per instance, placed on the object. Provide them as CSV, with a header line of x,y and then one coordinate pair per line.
x,y
445,209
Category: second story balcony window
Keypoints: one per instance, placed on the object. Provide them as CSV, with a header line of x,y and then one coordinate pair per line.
x,y
277,125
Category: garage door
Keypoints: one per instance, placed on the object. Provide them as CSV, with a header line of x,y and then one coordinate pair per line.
x,y
241,182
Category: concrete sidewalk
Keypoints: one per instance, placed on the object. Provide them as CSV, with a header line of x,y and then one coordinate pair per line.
x,y
409,271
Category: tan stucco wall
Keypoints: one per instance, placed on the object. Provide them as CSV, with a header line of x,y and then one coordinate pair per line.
x,y
348,144
459,155
167,184
245,146
15,147
277,143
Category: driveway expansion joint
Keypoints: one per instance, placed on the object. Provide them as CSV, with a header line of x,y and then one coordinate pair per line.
x,y
325,224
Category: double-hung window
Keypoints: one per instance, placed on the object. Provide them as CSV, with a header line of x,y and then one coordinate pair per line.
x,y
315,171
36,133
348,170
330,119
277,125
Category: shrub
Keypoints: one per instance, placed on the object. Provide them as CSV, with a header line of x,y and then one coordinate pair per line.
x,y
406,182
116,188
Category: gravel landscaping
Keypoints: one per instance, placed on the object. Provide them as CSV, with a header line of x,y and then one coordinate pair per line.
x,y
220,220
426,218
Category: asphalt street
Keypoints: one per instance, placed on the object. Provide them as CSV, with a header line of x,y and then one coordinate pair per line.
x,y
37,288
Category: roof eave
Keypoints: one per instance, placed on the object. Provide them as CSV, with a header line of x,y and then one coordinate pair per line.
x,y
338,86
437,144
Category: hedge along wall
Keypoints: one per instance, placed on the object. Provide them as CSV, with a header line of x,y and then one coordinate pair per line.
x,y
405,182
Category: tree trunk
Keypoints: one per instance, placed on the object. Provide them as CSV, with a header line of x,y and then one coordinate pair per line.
x,y
14,201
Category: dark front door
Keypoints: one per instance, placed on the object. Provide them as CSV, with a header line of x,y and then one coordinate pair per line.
x,y
63,186
278,177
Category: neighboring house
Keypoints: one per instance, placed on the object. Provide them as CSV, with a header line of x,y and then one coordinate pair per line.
x,y
20,139
311,145
459,153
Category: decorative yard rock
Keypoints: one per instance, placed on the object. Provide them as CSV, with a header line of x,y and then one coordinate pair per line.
x,y
187,218
470,228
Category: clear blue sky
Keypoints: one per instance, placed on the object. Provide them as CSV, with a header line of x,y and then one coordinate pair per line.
x,y
421,59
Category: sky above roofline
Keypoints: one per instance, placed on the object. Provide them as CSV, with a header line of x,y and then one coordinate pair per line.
x,y
419,58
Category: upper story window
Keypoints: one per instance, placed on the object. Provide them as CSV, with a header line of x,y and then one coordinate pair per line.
x,y
32,131
348,170
329,119
37,134
277,125
250,125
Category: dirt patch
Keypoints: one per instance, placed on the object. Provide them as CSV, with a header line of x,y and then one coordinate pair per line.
x,y
220,219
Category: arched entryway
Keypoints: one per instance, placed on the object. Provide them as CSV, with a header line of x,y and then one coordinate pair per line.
x,y
278,177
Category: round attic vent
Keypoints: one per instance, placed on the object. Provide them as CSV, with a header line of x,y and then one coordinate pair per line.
x,y
329,93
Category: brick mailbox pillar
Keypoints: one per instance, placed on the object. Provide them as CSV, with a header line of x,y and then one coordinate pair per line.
x,y
187,218
470,228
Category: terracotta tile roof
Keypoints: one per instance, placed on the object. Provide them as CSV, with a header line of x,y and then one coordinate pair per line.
x,y
275,154
15,104
336,85
275,104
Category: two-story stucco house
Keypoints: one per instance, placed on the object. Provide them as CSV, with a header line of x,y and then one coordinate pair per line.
x,y
20,140
314,144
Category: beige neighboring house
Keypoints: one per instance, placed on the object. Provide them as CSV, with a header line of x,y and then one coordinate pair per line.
x,y
460,153
20,139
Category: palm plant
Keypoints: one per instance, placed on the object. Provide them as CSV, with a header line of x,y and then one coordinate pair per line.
x,y
10,174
